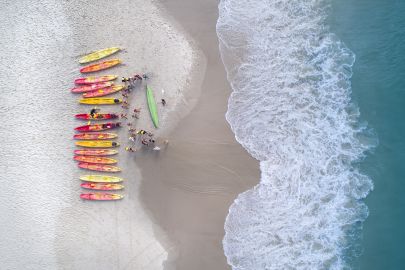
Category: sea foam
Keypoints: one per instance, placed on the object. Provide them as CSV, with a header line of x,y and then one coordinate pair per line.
x,y
291,109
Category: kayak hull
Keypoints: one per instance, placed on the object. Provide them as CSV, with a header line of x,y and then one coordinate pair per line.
x,y
93,79
100,66
91,87
95,159
97,144
100,178
98,127
104,91
97,55
95,136
95,152
99,167
101,196
152,106
100,101
97,116
102,186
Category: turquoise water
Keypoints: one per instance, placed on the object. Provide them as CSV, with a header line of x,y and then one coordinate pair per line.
x,y
375,31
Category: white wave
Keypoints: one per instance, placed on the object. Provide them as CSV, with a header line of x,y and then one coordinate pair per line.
x,y
291,109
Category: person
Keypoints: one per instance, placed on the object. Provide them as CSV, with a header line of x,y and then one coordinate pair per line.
x,y
163,102
114,144
135,115
145,142
124,95
93,111
131,138
137,110
131,129
130,149
129,124
123,115
137,77
116,100
141,132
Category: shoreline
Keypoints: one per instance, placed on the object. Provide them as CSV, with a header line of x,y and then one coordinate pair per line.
x,y
193,182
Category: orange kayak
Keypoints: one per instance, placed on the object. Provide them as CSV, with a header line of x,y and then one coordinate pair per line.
x,y
91,87
95,136
100,66
102,186
93,79
101,196
104,91
96,152
99,167
98,160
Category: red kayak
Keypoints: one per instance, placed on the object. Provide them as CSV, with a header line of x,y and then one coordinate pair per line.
x,y
99,167
101,196
93,79
91,87
98,127
96,152
96,116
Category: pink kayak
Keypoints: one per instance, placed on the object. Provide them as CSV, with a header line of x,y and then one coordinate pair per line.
x,y
93,79
104,91
101,196
91,87
96,152
98,127
102,186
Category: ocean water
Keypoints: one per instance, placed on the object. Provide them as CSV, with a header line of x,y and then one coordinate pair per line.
x,y
375,31
298,90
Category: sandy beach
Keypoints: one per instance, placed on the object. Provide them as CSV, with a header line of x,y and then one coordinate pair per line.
x,y
176,200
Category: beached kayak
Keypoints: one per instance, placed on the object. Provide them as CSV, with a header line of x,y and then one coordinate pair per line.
x,y
101,196
93,159
95,136
97,55
98,127
152,106
104,91
100,178
100,66
96,116
96,152
94,79
95,144
91,87
102,186
100,101
98,167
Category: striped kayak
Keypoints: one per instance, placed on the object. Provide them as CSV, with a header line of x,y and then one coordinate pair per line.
x,y
100,66
91,87
101,178
93,79
94,144
152,106
100,101
104,91
101,196
98,160
99,167
102,186
96,152
95,136
98,127
97,55
96,116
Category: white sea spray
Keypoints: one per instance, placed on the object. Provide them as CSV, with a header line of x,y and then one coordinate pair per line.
x,y
291,109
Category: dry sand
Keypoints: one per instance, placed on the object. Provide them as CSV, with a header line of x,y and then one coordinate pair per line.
x,y
188,188
45,225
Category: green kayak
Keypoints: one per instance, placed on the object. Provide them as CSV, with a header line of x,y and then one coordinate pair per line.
x,y
152,106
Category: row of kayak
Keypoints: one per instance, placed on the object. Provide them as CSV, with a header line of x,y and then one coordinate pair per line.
x,y
95,155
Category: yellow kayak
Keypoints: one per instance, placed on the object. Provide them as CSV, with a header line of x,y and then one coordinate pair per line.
x,y
100,101
101,178
97,143
98,55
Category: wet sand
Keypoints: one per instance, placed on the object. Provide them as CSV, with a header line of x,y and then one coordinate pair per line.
x,y
188,187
